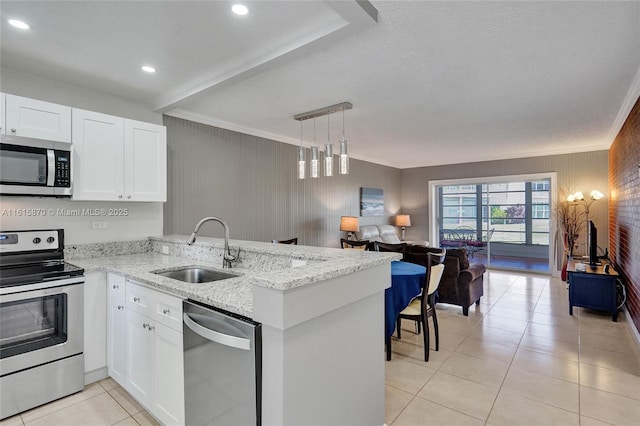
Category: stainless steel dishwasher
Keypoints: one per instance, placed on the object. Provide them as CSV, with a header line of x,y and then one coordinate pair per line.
x,y
222,367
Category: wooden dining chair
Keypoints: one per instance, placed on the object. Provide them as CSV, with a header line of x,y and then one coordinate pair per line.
x,y
290,241
423,307
351,244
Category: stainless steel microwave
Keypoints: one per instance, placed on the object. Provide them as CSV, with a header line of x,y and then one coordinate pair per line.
x,y
35,167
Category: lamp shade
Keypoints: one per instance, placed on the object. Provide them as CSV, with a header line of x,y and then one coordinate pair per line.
x,y
596,195
349,224
403,220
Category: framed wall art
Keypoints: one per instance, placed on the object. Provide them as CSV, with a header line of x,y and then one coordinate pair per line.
x,y
371,202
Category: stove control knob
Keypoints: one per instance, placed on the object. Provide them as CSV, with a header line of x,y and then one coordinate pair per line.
x,y
50,240
36,240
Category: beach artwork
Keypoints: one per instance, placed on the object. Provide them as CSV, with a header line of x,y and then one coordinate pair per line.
x,y
371,202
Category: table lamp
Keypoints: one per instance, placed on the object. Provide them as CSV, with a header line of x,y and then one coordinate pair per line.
x,y
403,220
349,224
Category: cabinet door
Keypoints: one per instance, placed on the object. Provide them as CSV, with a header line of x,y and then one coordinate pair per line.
x,y
38,119
2,109
98,166
145,161
116,340
140,357
95,322
169,376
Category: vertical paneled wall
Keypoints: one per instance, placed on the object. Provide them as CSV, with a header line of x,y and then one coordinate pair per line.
x,y
624,208
250,182
575,172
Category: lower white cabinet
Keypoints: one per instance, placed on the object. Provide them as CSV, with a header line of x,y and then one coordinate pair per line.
x,y
144,355
116,328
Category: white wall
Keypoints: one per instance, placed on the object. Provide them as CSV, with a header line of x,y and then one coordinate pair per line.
x,y
140,220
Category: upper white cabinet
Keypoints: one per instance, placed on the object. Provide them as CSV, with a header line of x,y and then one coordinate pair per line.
x,y
2,107
145,165
37,119
117,159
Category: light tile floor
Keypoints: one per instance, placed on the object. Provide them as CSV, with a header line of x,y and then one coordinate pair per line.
x,y
102,403
517,359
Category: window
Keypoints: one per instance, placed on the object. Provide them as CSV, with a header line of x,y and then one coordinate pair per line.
x,y
517,211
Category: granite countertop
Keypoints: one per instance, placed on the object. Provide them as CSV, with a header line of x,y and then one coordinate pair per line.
x,y
262,264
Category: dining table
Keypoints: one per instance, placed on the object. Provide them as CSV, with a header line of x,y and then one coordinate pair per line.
x,y
406,283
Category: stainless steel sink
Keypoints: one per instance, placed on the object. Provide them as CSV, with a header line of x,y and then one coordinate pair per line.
x,y
195,274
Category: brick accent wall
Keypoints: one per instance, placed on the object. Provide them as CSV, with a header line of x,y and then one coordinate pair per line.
x,y
624,208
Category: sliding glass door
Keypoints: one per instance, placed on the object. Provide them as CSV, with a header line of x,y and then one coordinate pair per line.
x,y
504,224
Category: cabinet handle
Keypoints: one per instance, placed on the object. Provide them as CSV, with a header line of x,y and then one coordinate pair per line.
x,y
136,299
145,325
120,196
151,327
166,311
129,196
120,307
115,287
13,130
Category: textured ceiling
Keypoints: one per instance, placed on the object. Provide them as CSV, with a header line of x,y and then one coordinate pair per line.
x,y
431,82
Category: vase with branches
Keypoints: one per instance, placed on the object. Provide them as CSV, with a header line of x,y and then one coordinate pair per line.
x,y
570,221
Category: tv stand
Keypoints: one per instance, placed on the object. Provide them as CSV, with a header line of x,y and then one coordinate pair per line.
x,y
593,288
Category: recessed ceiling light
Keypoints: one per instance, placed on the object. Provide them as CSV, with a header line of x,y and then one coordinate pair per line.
x,y
148,69
19,24
239,9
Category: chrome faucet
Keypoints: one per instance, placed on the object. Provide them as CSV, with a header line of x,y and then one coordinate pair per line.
x,y
227,257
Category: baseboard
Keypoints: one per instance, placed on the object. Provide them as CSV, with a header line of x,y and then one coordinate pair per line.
x,y
95,375
632,326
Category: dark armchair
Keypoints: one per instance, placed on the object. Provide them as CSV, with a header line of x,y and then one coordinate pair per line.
x,y
462,283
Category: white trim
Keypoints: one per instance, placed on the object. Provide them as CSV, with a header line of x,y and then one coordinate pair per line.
x,y
553,195
629,101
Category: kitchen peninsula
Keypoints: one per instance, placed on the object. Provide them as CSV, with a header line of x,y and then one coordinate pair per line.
x,y
321,310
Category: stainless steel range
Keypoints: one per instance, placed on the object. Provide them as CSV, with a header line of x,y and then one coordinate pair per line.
x,y
41,312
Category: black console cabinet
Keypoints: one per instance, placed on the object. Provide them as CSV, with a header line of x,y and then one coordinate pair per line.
x,y
593,289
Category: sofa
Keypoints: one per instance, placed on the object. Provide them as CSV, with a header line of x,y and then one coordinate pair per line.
x,y
462,283
378,233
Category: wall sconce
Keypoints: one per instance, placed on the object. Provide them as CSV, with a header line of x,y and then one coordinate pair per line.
x,y
349,224
403,220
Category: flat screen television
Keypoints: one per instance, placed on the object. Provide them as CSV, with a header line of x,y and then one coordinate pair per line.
x,y
593,244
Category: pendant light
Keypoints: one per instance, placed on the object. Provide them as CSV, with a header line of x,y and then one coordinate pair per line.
x,y
314,171
328,152
314,166
301,158
344,156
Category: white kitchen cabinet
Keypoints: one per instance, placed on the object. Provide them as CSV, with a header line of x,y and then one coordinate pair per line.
x,y
98,156
145,167
2,109
140,357
37,119
95,326
144,347
116,328
117,159
169,376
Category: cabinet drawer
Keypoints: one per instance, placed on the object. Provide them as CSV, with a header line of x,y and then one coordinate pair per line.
x,y
115,286
139,298
168,311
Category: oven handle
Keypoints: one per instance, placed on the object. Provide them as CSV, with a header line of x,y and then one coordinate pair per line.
x,y
51,167
41,285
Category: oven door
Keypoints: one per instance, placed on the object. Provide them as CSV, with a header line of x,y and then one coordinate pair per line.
x,y
41,323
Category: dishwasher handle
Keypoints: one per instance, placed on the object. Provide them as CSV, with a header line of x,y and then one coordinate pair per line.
x,y
216,336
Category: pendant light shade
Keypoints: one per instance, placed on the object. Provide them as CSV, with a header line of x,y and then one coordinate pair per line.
x,y
344,155
314,166
328,152
328,160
